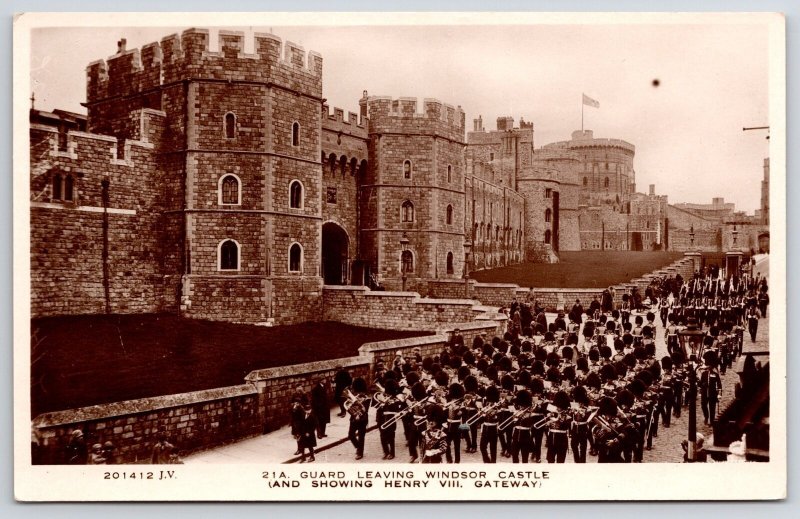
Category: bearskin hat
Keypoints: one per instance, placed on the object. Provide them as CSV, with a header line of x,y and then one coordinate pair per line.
x,y
646,377
637,387
549,337
615,314
605,351
503,347
537,368
412,377
463,372
456,391
553,375
567,352
468,358
477,342
580,395
491,372
647,332
625,398
711,359
391,387
582,364
487,350
492,394
389,375
359,385
627,339
650,349
482,365
619,345
418,391
608,372
588,329
594,355
561,400
441,378
608,407
629,359
621,368
496,342
666,362
639,320
611,326
524,398
507,382
524,360
572,340
504,364
514,350
526,347
553,359
626,327
568,373
536,386
651,316
523,378
471,384
540,354
678,357
593,380
639,353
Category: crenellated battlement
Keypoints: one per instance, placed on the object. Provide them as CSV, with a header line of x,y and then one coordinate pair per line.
x,y
335,121
401,114
88,147
176,58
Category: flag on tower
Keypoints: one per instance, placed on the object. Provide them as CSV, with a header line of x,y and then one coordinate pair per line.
x,y
590,102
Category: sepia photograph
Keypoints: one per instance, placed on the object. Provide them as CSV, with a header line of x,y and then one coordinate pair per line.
x,y
275,257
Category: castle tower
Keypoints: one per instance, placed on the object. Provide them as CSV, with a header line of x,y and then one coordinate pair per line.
x,y
414,190
240,167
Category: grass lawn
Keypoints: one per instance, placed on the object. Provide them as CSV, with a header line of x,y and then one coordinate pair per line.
x,y
582,269
87,360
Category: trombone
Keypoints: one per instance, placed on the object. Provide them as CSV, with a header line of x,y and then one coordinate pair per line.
x,y
505,424
480,414
399,416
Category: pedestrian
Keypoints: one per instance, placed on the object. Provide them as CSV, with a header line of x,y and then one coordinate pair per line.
x,y
96,456
341,381
358,408
321,407
77,453
298,403
162,450
109,453
752,321
308,427
763,301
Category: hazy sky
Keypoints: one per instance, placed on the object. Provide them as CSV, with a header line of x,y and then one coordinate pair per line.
x,y
687,131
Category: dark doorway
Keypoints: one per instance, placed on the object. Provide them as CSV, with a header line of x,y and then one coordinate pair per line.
x,y
334,254
636,241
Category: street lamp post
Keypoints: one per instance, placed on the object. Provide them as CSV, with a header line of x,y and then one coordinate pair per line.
x,y
467,248
404,247
691,341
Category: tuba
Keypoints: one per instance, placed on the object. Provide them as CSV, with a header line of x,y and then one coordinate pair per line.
x,y
353,405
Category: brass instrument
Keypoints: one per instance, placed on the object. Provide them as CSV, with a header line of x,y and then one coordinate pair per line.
x,y
481,413
380,395
505,424
399,416
353,404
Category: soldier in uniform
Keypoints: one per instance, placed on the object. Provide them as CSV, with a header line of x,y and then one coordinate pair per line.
x,y
489,425
455,418
709,384
385,412
521,442
558,431
433,439
358,409
609,437
752,321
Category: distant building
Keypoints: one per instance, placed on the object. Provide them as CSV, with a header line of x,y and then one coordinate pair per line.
x,y
220,185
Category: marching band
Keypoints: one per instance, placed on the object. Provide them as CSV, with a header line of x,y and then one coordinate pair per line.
x,y
589,383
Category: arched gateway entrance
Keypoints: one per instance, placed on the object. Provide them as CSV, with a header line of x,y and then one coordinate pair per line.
x,y
335,244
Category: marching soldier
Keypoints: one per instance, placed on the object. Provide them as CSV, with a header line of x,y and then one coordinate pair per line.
x,y
710,385
489,425
357,405
455,419
752,321
433,439
559,426
385,414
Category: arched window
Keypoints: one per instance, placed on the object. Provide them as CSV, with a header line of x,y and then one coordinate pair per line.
x,y
407,261
605,183
449,262
228,255
496,232
332,163
57,186
353,166
230,125
407,211
295,258
362,168
547,235
449,215
295,134
585,181
547,215
68,188
449,173
343,165
229,190
296,195
407,169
